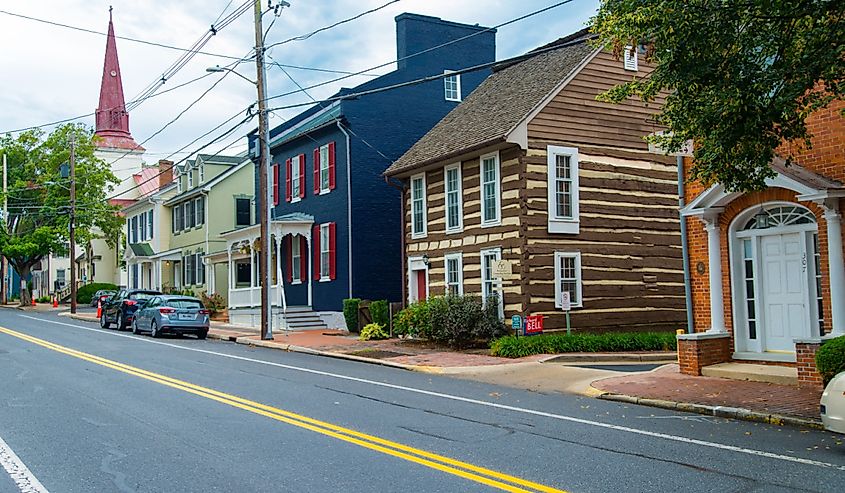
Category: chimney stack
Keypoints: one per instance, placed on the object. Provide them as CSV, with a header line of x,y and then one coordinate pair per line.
x,y
165,176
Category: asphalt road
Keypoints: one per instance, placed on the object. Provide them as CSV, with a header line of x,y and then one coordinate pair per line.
x,y
85,409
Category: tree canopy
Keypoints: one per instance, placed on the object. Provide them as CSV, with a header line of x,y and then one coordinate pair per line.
x,y
740,76
38,221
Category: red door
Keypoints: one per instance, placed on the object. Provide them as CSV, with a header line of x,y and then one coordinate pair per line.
x,y
421,285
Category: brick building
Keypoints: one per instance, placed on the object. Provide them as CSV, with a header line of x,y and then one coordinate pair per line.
x,y
767,275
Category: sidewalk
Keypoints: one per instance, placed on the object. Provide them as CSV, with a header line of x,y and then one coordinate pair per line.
x,y
664,387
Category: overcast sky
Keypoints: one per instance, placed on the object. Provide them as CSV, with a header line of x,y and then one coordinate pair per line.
x,y
51,73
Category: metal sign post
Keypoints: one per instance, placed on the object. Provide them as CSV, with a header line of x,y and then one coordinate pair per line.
x,y
566,304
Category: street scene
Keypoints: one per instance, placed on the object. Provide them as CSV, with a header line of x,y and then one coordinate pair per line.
x,y
552,246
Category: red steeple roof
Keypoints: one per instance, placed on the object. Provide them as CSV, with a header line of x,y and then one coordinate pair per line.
x,y
112,117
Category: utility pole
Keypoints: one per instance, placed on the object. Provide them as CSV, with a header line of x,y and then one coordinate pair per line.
x,y
263,179
72,254
4,266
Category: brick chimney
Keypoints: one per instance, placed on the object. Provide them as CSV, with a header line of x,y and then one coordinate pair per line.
x,y
165,172
416,33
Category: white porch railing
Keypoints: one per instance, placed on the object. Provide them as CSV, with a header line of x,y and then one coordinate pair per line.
x,y
249,297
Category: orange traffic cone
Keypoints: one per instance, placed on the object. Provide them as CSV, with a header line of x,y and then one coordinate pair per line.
x,y
99,308
55,301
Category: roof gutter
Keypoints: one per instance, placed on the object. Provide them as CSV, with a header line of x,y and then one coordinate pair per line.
x,y
445,157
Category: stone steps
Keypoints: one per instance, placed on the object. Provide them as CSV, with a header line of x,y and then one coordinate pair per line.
x,y
781,375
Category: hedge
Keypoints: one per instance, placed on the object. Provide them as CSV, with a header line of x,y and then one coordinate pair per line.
x,y
513,347
459,321
84,293
350,313
830,358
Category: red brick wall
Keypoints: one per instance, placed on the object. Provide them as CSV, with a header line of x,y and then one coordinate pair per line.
x,y
808,375
694,354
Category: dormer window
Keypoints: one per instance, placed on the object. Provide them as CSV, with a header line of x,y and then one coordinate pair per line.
x,y
190,178
202,172
452,86
631,58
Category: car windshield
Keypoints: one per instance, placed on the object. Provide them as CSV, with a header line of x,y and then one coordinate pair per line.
x,y
190,304
141,296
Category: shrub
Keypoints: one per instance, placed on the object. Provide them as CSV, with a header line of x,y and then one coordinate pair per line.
x,y
459,321
380,312
830,358
350,313
513,347
44,299
413,321
84,293
373,331
214,303
491,326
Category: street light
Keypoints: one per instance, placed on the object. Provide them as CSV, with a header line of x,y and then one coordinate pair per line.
x,y
219,69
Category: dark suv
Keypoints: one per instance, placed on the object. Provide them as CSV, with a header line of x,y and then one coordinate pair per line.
x,y
120,309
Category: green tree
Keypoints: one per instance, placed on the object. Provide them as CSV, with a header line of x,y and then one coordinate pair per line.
x,y
38,197
742,76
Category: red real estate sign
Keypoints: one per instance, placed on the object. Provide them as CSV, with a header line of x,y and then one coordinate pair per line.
x,y
533,324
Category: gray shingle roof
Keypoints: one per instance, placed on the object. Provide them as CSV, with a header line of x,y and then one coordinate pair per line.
x,y
496,106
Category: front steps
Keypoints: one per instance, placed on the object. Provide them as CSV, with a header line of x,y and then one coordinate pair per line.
x,y
303,318
781,375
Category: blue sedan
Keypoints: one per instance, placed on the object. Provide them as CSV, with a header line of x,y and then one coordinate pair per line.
x,y
172,314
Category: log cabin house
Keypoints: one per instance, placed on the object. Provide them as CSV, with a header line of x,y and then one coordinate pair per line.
x,y
532,169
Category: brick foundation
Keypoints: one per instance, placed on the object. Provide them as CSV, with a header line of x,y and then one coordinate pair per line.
x,y
805,356
702,349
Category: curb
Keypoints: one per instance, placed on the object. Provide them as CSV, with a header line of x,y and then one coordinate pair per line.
x,y
660,357
719,411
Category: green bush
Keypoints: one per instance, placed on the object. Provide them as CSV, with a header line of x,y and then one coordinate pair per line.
x,y
350,313
413,321
44,299
459,321
380,312
214,303
830,358
373,331
84,293
513,347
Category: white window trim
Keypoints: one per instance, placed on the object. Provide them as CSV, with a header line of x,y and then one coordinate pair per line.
x,y
415,264
202,172
497,283
424,233
190,178
578,278
295,260
490,223
460,258
451,73
324,248
630,58
560,224
460,227
324,157
295,179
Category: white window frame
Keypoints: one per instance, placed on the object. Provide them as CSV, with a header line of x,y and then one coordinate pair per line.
x,y
558,224
578,279
495,284
295,179
324,170
325,254
487,222
459,257
190,178
178,178
296,260
630,58
458,194
202,172
149,215
452,78
422,234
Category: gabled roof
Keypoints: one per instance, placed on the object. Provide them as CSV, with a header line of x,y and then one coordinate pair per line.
x,y
499,104
242,161
218,159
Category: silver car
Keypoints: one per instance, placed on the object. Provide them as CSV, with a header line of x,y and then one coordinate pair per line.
x,y
172,314
833,404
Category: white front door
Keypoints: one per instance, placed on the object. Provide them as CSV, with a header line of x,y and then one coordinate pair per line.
x,y
785,282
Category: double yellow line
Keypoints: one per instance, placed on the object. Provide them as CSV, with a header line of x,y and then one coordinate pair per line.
x,y
448,465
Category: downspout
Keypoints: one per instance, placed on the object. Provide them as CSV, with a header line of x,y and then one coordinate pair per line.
x,y
348,198
401,188
684,244
204,193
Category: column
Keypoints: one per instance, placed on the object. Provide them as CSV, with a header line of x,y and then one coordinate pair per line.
x,y
836,268
212,278
714,254
278,244
231,271
158,275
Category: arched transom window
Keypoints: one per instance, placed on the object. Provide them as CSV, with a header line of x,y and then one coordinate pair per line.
x,y
780,215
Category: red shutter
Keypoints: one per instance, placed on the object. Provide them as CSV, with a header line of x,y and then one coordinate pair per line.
x,y
288,259
331,165
317,171
275,183
302,176
332,255
315,242
287,181
303,259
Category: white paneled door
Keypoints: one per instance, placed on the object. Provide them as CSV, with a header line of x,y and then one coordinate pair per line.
x,y
785,284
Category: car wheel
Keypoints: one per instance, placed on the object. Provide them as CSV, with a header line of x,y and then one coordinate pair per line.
x,y
121,321
135,329
154,329
202,335
104,322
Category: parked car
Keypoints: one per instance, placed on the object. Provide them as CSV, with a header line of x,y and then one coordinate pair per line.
x,y
120,309
172,314
101,295
833,404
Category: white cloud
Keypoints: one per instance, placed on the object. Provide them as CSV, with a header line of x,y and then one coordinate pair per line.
x,y
50,73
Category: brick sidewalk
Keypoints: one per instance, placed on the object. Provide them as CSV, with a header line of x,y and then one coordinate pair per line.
x,y
667,383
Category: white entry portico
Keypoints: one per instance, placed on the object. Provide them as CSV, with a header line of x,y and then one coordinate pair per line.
x,y
775,264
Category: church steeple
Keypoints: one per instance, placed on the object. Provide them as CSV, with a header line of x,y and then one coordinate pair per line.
x,y
112,117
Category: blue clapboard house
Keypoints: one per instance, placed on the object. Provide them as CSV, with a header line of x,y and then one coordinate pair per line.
x,y
336,222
